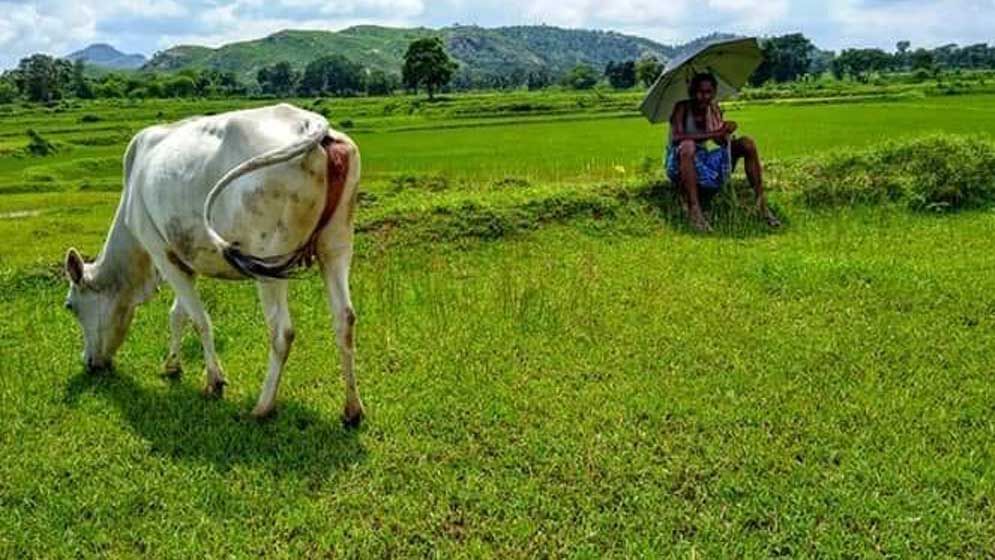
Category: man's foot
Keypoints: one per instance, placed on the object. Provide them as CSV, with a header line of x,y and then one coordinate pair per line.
x,y
767,215
698,221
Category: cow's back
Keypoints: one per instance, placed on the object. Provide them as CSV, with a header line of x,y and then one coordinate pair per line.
x,y
268,211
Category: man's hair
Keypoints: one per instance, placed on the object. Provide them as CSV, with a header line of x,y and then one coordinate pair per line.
x,y
697,80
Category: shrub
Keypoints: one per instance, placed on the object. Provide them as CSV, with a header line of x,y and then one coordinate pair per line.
x,y
512,183
37,145
90,118
8,91
932,173
432,183
181,86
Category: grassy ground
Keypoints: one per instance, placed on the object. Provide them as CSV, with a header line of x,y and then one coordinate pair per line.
x,y
607,385
586,390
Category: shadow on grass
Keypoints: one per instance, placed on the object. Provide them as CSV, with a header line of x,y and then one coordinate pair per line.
x,y
731,212
178,422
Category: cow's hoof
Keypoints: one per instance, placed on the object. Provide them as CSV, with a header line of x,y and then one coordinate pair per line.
x,y
352,417
263,412
171,371
98,369
215,389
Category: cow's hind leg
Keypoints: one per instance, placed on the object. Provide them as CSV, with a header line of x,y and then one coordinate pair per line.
x,y
273,296
177,320
183,285
335,271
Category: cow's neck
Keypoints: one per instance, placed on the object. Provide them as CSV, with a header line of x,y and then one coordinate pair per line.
x,y
124,265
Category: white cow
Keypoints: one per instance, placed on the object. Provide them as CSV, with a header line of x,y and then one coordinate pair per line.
x,y
242,195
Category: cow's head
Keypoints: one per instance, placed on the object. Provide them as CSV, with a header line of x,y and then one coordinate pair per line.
x,y
103,310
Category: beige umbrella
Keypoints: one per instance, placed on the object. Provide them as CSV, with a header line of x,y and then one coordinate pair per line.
x,y
731,61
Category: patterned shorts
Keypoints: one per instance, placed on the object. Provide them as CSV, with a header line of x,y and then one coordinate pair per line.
x,y
713,166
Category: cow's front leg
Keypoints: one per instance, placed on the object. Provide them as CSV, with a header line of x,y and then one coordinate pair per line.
x,y
183,285
335,271
177,320
273,296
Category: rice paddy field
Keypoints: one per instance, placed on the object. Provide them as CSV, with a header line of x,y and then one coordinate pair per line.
x,y
552,364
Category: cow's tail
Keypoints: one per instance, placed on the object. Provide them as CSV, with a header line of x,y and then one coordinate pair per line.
x,y
277,266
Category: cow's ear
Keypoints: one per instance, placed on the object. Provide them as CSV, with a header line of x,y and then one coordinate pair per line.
x,y
74,266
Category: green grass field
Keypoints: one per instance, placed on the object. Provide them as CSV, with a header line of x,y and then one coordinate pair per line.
x,y
552,364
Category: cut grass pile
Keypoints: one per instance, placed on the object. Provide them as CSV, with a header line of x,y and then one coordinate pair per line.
x,y
934,173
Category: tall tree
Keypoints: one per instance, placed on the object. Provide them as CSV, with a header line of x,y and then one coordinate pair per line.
x,y
822,62
229,84
333,74
277,79
427,65
8,89
921,59
621,75
648,70
858,63
902,54
975,56
80,85
180,86
381,83
44,78
785,58
581,76
538,79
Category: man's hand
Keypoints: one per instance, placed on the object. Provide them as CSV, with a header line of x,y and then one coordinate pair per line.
x,y
730,127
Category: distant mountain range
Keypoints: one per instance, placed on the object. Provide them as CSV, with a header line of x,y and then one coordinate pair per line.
x,y
480,51
483,53
106,56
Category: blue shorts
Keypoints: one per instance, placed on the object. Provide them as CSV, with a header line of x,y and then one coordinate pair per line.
x,y
712,166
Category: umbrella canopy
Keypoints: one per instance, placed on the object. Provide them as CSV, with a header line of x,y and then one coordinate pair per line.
x,y
731,61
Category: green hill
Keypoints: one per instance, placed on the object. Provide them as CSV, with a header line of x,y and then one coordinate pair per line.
x,y
485,55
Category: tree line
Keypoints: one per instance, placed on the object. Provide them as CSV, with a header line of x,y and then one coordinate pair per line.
x,y
427,67
42,78
788,57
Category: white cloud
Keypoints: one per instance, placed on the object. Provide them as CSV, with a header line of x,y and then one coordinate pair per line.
x,y
27,28
60,26
654,13
927,23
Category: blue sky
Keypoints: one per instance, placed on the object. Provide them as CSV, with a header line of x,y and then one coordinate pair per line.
x,y
61,26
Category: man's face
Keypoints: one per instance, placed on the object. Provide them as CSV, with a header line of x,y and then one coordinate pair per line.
x,y
704,93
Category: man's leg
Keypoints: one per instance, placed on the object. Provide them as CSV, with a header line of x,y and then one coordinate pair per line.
x,y
746,148
689,182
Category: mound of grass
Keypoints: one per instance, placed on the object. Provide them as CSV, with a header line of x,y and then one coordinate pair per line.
x,y
412,182
936,173
456,215
494,215
511,182
38,146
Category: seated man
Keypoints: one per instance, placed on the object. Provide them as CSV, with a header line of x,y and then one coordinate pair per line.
x,y
690,164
